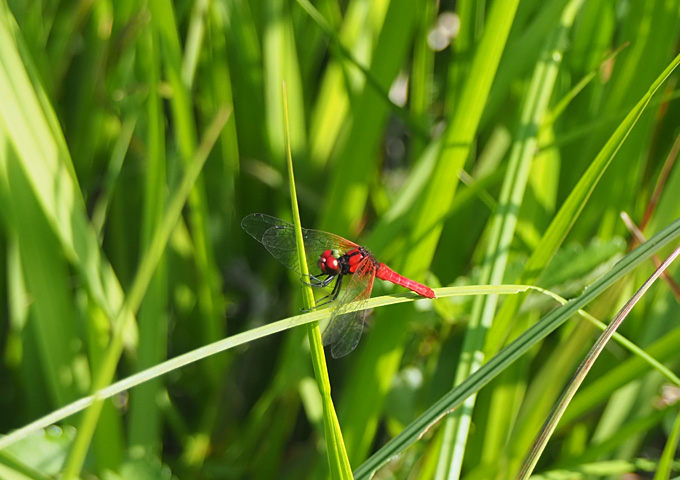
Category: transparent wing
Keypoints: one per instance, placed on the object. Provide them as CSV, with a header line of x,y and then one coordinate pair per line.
x,y
344,330
278,237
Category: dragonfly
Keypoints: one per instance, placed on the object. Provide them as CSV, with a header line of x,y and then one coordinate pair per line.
x,y
334,259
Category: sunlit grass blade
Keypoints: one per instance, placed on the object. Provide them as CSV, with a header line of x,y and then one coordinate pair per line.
x,y
33,132
35,147
280,64
232,342
370,76
347,192
44,272
194,41
117,157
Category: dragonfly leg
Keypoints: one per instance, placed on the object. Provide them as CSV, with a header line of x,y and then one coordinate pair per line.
x,y
336,288
318,282
328,298
331,297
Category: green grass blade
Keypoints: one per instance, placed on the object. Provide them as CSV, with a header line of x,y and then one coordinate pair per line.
x,y
164,23
666,463
30,125
584,368
458,139
337,456
46,274
145,416
194,41
512,352
235,341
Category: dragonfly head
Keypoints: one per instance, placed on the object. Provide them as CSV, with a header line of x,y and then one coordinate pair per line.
x,y
328,263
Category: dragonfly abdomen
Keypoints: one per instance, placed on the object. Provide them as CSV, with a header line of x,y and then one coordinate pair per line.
x,y
386,273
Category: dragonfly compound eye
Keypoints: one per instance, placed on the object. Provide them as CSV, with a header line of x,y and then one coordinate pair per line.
x,y
328,263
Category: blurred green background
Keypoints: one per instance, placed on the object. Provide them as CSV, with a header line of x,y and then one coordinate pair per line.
x,y
464,143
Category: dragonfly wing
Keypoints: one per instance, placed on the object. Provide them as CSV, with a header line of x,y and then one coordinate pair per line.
x,y
257,224
344,330
278,237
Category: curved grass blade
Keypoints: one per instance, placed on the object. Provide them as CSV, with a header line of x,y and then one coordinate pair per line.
x,y
231,342
256,334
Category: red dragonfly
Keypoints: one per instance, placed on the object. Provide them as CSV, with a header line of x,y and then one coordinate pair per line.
x,y
336,258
